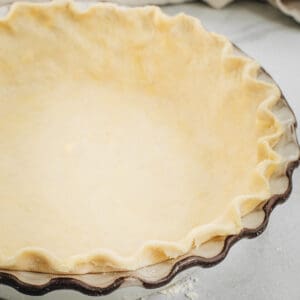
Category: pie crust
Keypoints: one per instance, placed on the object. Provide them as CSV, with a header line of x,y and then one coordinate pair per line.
x,y
128,137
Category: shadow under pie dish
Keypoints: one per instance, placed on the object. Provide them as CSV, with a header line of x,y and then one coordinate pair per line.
x,y
117,126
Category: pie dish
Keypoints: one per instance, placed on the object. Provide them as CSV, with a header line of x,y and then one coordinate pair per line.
x,y
126,154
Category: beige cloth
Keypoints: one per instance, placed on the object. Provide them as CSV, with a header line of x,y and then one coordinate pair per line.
x,y
288,7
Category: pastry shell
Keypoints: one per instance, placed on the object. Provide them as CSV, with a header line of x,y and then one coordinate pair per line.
x,y
208,254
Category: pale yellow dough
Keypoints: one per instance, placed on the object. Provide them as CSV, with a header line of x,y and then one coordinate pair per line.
x,y
126,137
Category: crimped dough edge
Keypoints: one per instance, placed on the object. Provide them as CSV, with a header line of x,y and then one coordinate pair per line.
x,y
230,223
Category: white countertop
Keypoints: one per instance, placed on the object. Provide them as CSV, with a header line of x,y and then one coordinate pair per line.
x,y
267,267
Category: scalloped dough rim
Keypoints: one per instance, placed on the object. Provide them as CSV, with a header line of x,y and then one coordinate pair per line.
x,y
151,252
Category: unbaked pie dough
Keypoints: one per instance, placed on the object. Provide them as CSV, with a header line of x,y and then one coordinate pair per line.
x,y
127,137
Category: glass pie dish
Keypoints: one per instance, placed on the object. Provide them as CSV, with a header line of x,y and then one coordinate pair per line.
x,y
207,255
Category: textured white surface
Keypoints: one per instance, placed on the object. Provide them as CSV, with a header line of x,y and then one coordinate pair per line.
x,y
289,7
267,267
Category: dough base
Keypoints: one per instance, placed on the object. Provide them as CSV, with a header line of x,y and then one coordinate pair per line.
x,y
115,153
